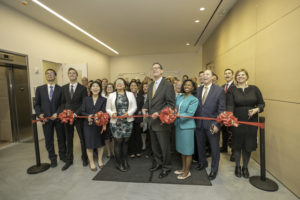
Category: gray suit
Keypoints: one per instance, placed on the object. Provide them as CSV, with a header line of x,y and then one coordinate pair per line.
x,y
160,133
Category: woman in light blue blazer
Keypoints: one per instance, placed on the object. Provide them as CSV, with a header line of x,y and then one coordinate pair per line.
x,y
186,105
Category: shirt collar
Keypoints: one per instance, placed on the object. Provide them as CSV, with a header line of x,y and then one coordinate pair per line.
x,y
157,82
74,85
229,83
53,85
208,86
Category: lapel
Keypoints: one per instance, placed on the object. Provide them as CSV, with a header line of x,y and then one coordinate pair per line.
x,y
77,90
199,94
46,91
159,88
68,91
98,103
55,91
210,93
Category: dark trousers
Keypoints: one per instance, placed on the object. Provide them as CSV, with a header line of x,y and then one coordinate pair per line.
x,y
160,142
195,155
48,129
225,135
70,135
135,140
213,139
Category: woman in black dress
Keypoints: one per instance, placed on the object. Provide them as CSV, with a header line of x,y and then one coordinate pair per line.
x,y
107,135
92,133
135,140
245,101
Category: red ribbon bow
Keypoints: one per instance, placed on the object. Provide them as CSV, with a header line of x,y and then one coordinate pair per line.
x,y
66,116
228,119
101,119
167,115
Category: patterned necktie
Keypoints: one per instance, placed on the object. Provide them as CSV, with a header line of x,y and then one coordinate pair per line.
x,y
226,87
72,91
205,94
154,89
51,93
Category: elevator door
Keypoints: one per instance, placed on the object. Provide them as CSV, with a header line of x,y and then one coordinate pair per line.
x,y
23,107
6,134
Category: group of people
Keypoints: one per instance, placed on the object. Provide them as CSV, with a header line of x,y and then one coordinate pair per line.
x,y
123,135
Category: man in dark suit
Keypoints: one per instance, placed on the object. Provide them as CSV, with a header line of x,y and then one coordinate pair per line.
x,y
47,103
73,94
228,75
160,95
211,104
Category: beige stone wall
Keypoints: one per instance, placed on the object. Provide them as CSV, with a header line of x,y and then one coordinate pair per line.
x,y
263,36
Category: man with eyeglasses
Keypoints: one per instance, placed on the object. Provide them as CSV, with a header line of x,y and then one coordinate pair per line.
x,y
161,94
47,103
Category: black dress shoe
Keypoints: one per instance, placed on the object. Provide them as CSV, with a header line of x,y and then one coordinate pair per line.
x,y
212,176
232,159
126,165
238,171
155,168
67,165
121,168
85,163
164,173
202,166
53,163
64,159
245,172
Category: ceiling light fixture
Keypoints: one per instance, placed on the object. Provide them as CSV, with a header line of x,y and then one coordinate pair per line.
x,y
197,21
202,9
187,44
72,24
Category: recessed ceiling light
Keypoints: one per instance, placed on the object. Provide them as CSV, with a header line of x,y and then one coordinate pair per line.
x,y
202,9
197,21
74,25
187,44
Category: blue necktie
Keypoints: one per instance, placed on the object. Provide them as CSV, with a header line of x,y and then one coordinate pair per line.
x,y
51,92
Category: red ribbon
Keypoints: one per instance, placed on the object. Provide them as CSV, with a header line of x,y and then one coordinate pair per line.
x,y
101,119
67,116
167,116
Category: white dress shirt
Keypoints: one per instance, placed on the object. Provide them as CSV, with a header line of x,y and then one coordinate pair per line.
x,y
53,85
74,86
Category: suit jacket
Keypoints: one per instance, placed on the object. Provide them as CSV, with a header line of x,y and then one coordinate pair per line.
x,y
213,106
43,105
111,105
88,107
75,103
223,86
164,96
186,107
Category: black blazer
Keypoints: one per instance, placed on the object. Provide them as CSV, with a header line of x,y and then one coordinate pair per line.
x,y
140,104
88,107
212,107
43,105
75,103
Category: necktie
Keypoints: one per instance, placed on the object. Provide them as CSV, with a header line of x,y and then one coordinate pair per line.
x,y
51,93
72,91
205,94
226,87
154,89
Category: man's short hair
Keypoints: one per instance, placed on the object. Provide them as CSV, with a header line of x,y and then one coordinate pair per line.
x,y
157,63
51,70
229,70
71,68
